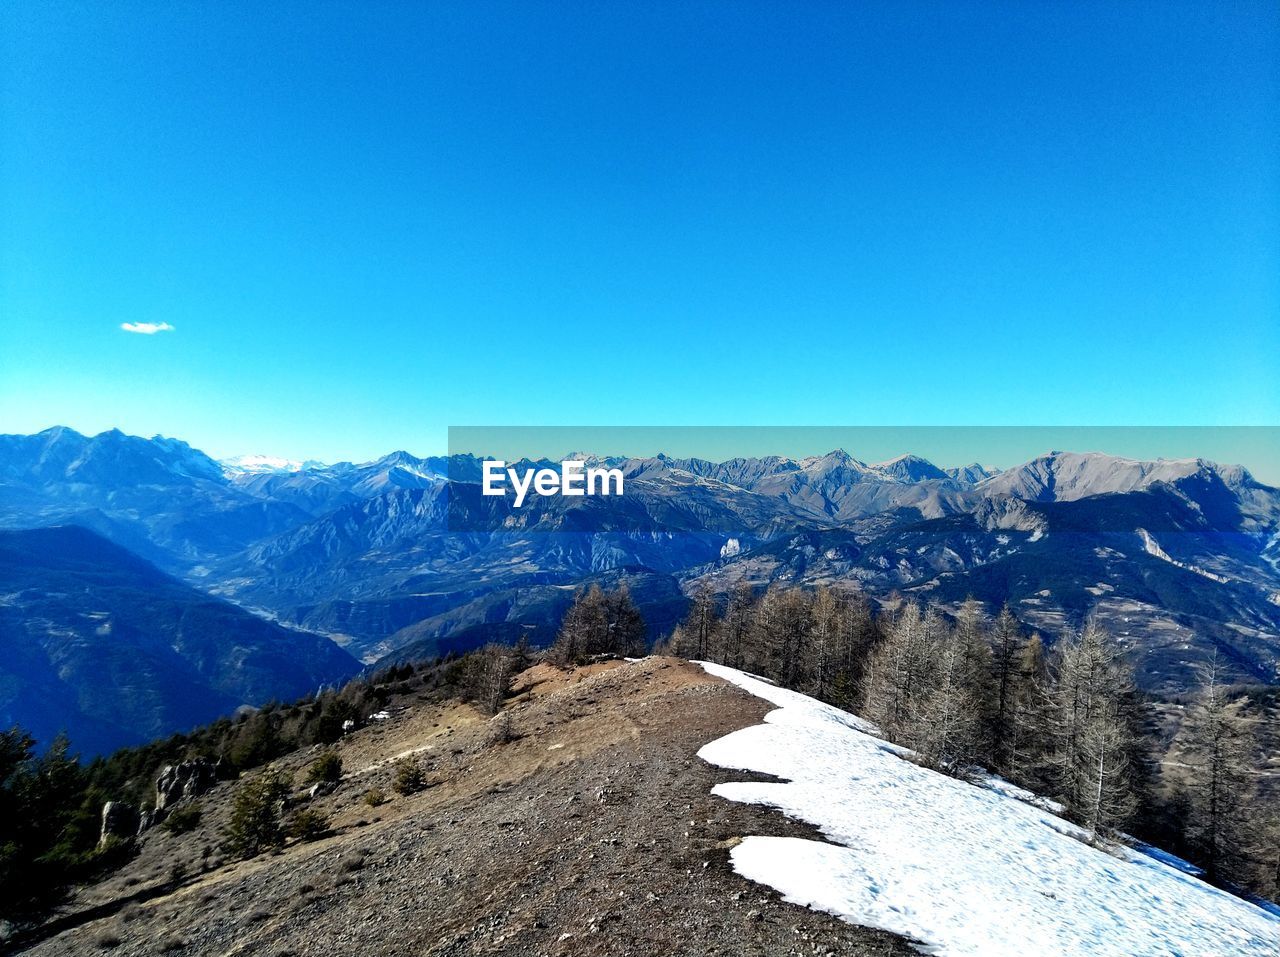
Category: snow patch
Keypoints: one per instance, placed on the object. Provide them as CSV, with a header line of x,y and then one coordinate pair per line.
x,y
1152,547
968,871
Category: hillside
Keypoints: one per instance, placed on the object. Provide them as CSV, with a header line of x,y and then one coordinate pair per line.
x,y
101,644
602,827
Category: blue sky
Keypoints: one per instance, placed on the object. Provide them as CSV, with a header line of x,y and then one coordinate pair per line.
x,y
368,221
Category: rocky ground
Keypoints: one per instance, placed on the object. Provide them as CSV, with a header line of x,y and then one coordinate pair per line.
x,y
593,832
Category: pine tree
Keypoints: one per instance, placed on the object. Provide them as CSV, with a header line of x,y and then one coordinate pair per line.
x,y
1006,660
1095,743
1220,749
1028,738
698,634
255,823
949,723
898,675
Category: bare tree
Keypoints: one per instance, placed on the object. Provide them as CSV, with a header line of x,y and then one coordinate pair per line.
x,y
1028,739
737,624
1095,742
699,632
898,674
599,624
949,717
1220,747
823,643
1006,658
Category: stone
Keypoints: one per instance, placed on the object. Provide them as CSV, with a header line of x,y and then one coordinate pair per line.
x,y
120,821
187,779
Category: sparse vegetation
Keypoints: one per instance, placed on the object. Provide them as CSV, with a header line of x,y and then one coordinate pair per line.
x,y
599,623
500,730
51,803
183,818
963,691
308,824
351,862
375,797
409,777
326,769
255,824
108,940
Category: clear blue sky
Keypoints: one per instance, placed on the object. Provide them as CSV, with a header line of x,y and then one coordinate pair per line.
x,y
368,221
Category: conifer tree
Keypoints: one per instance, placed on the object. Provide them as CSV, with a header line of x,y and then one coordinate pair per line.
x,y
897,675
1006,660
737,624
1220,748
1028,740
1095,743
698,634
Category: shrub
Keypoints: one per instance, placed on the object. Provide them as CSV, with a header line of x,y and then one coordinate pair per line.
x,y
375,797
108,939
255,816
184,818
410,778
326,769
500,729
309,824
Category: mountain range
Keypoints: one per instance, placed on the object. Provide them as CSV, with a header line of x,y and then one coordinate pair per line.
x,y
1181,558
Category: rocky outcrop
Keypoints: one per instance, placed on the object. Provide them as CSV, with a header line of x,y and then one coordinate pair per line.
x,y
321,789
188,779
120,822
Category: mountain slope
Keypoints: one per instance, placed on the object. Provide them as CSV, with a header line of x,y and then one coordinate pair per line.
x,y
593,833
100,643
592,828
158,497
967,870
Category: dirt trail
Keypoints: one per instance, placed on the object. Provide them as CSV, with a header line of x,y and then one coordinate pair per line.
x,y
593,833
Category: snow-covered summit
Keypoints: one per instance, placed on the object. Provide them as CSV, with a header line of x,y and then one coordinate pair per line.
x,y
255,464
967,870
1067,476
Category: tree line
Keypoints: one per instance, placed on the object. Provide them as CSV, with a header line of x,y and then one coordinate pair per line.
x,y
964,690
969,692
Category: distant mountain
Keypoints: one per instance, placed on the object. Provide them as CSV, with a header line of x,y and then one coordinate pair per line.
x,y
101,644
403,551
1066,476
158,497
912,468
250,464
970,474
1176,583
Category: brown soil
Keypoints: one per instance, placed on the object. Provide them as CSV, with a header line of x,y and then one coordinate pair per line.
x,y
593,833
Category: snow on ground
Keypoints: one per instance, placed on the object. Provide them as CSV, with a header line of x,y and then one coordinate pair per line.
x,y
963,869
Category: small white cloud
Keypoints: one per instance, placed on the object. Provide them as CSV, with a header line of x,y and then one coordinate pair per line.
x,y
146,328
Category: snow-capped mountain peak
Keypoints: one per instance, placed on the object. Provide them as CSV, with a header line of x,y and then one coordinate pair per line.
x,y
257,464
910,468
